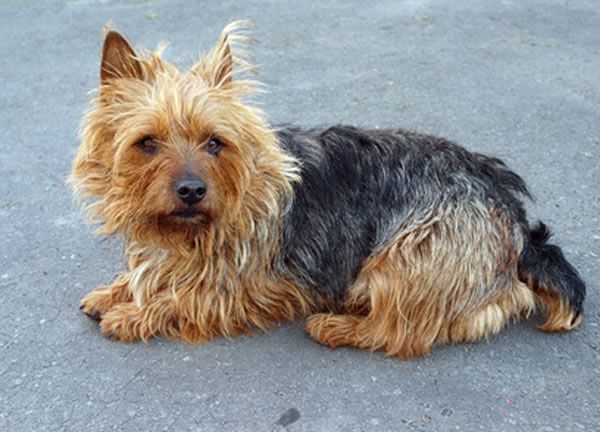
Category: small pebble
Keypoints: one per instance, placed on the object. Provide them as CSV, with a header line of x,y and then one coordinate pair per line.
x,y
288,417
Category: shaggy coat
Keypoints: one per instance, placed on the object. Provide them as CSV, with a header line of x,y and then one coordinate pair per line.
x,y
384,240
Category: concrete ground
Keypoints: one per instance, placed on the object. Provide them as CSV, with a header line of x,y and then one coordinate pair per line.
x,y
519,79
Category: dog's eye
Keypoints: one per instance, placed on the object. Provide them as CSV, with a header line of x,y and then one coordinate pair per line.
x,y
214,146
148,145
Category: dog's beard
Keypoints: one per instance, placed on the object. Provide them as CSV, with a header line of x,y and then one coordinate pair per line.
x,y
172,231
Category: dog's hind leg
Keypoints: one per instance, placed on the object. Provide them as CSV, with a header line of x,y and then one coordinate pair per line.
x,y
385,327
335,330
515,301
397,321
450,278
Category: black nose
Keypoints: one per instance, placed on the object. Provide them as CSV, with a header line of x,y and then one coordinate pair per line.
x,y
190,190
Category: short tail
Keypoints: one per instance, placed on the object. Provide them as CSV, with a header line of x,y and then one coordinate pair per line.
x,y
555,282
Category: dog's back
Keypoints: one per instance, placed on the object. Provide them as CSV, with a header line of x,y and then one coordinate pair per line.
x,y
367,191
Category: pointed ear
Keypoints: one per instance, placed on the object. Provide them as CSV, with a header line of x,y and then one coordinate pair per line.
x,y
223,73
217,67
118,59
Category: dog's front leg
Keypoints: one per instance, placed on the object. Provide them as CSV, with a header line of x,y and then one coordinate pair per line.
x,y
129,321
99,301
161,315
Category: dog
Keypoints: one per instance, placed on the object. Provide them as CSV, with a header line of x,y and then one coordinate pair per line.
x,y
384,240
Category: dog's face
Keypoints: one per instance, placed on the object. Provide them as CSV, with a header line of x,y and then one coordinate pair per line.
x,y
166,153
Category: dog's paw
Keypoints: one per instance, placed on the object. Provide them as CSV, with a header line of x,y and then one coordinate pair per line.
x,y
333,330
96,303
103,298
123,322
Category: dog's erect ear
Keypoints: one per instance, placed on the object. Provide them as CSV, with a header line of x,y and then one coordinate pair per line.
x,y
223,62
217,67
118,59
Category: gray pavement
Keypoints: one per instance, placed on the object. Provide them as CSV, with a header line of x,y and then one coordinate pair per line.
x,y
519,79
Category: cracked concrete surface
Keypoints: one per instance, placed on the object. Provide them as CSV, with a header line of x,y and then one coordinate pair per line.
x,y
517,79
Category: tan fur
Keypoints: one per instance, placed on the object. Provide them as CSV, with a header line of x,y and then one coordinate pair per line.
x,y
218,275
103,298
179,283
560,316
420,293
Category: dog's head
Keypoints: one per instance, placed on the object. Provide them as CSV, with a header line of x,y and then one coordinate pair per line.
x,y
167,155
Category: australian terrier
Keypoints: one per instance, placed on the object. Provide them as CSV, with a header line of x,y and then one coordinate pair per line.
x,y
383,239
